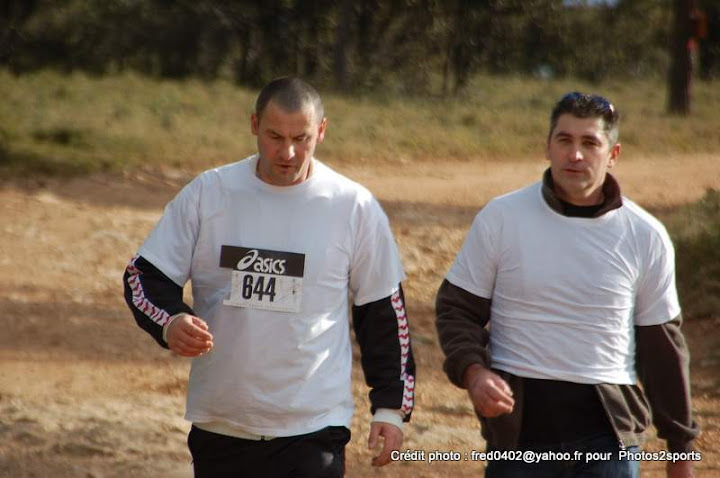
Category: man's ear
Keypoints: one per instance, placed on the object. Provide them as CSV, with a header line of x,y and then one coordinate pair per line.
x,y
614,154
254,124
321,130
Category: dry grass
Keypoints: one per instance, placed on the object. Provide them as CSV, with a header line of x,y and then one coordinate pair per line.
x,y
77,124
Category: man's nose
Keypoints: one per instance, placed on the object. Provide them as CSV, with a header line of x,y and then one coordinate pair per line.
x,y
287,152
576,154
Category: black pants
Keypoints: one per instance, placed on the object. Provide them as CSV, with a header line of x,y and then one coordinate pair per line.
x,y
316,455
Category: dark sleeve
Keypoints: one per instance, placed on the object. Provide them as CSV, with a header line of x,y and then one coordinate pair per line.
x,y
461,320
381,329
663,367
152,297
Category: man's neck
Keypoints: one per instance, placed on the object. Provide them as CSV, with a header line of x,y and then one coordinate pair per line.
x,y
595,198
610,198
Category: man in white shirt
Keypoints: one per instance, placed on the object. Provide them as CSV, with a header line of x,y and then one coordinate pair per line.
x,y
274,245
577,284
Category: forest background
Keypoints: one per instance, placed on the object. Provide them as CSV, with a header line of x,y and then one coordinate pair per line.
x,y
415,47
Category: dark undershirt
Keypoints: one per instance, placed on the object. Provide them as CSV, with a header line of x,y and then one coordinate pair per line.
x,y
556,411
571,210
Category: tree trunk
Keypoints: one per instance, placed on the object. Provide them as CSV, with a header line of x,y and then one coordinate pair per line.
x,y
681,67
342,42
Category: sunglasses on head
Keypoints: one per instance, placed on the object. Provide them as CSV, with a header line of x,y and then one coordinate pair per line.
x,y
598,100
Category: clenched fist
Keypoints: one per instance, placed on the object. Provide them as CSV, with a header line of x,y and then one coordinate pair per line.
x,y
188,336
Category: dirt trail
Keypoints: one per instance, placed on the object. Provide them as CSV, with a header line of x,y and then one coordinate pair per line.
x,y
85,393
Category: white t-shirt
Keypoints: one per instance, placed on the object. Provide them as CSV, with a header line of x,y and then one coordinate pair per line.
x,y
566,291
271,268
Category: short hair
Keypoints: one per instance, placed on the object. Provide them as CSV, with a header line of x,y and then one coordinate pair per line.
x,y
582,105
291,94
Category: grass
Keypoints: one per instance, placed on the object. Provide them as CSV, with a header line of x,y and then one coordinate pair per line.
x,y
55,124
695,229
79,124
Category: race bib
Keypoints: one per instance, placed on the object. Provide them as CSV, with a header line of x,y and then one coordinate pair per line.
x,y
264,279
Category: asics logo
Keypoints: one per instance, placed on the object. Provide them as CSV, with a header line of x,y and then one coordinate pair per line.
x,y
253,259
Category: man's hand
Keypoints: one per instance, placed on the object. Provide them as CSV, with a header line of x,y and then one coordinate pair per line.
x,y
490,394
680,469
393,441
188,336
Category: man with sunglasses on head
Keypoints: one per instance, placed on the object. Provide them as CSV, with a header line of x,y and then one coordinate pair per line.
x,y
560,304
274,246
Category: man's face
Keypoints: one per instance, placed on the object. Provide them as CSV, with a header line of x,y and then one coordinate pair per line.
x,y
286,143
580,155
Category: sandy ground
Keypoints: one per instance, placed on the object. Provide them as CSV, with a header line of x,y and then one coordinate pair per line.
x,y
85,393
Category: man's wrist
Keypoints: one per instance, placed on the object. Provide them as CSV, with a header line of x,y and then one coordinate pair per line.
x,y
167,325
470,372
389,415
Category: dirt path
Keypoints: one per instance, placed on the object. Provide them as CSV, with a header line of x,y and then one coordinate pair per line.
x,y
85,393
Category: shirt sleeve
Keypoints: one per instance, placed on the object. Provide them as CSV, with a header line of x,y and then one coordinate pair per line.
x,y
171,244
382,331
663,364
475,266
153,298
656,301
461,320
375,268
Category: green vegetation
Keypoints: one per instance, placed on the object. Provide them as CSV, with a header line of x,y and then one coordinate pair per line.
x,y
695,230
55,124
